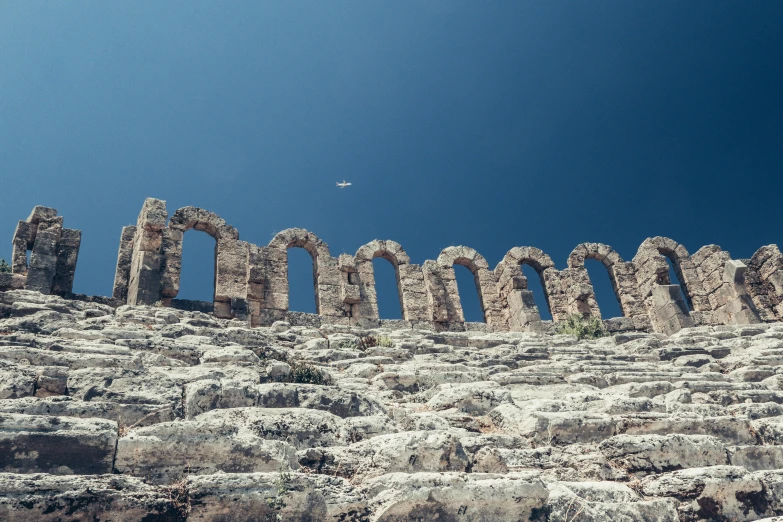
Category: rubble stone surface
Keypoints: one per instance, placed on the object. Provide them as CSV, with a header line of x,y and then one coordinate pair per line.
x,y
150,413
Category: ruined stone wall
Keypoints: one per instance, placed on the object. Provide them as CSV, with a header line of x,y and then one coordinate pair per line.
x,y
251,281
53,249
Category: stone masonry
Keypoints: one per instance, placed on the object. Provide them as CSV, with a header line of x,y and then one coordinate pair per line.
x,y
141,406
54,252
251,281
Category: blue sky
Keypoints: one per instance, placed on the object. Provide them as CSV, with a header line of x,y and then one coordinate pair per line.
x,y
488,124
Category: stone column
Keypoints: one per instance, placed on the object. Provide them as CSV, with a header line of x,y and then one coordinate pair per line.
x,y
144,285
43,259
67,255
124,257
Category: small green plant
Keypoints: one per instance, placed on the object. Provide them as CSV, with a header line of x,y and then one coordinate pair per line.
x,y
582,327
277,503
5,268
350,344
386,342
304,373
370,341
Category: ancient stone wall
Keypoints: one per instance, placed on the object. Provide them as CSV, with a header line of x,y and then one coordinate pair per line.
x,y
251,281
53,249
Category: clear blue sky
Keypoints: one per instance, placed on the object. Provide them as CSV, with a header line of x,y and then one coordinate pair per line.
x,y
487,124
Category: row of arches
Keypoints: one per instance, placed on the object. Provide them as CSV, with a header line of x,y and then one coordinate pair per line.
x,y
384,268
524,287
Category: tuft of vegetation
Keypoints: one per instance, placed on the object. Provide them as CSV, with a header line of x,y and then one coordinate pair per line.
x,y
277,503
370,341
582,327
386,342
5,268
349,344
304,373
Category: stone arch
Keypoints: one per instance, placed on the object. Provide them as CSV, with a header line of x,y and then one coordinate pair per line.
x,y
652,269
326,274
510,279
764,282
396,255
621,274
486,284
230,282
187,218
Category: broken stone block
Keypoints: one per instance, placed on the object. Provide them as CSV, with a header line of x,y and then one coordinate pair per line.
x,y
52,498
166,452
472,497
57,445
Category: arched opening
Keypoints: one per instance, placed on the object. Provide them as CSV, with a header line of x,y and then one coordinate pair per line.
x,y
469,299
535,284
197,277
389,302
301,281
604,289
676,279
27,254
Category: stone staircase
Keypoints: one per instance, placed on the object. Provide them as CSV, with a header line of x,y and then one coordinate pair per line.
x,y
156,414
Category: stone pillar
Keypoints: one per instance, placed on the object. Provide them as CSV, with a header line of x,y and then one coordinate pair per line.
x,y
351,289
171,262
436,293
230,276
67,255
24,237
580,296
413,292
669,311
144,284
43,259
522,310
124,257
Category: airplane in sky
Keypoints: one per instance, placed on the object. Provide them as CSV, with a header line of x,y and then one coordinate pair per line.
x,y
343,184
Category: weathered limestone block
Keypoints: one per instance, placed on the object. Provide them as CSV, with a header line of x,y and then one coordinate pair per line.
x,y
206,395
669,312
475,398
24,238
171,263
144,278
58,445
43,498
471,497
409,452
553,428
43,259
272,496
231,272
15,381
728,429
660,453
63,406
124,258
710,493
67,255
732,303
605,501
165,452
300,427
